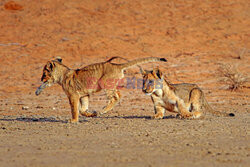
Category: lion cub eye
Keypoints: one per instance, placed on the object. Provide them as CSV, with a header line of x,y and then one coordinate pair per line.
x,y
151,82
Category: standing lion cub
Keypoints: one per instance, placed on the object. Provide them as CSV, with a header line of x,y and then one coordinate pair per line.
x,y
186,99
81,83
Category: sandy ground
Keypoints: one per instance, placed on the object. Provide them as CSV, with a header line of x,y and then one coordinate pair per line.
x,y
197,38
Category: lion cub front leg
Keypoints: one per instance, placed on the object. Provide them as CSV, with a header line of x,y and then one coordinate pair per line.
x,y
74,104
159,112
84,106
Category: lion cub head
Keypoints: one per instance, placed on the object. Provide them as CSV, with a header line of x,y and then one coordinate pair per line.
x,y
152,81
50,74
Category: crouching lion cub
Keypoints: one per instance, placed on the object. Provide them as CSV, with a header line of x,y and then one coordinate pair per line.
x,y
81,83
186,99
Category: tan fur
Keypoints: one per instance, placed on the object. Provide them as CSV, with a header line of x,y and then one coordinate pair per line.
x,y
81,83
186,99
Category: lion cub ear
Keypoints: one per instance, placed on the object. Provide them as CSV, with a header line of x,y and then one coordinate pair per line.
x,y
59,59
158,73
50,65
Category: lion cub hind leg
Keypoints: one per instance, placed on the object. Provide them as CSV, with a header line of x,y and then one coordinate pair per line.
x,y
159,112
84,105
182,109
184,112
195,102
113,97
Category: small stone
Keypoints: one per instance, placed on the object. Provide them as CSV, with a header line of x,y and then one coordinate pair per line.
x,y
39,106
65,39
25,107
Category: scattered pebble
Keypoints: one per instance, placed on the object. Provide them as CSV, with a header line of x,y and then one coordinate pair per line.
x,y
25,107
39,106
65,39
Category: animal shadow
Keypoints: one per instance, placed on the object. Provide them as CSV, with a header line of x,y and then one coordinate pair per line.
x,y
138,117
32,119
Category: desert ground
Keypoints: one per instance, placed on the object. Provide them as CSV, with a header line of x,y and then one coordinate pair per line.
x,y
203,41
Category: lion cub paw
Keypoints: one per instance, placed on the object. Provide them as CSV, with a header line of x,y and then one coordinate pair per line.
x,y
89,114
75,121
197,114
193,115
183,116
157,116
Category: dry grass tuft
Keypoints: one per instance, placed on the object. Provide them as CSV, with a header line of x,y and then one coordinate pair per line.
x,y
232,77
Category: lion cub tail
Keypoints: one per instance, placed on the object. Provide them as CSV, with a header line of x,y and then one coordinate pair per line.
x,y
141,61
217,113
